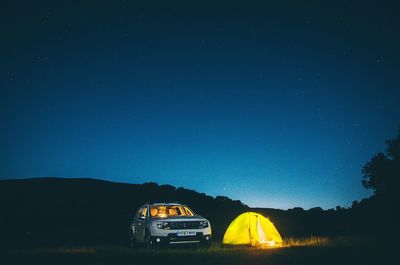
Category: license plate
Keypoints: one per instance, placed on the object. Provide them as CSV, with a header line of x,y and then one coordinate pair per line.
x,y
186,233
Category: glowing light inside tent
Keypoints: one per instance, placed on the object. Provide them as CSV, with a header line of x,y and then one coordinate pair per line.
x,y
252,229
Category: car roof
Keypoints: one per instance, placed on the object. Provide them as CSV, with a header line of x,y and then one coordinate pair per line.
x,y
166,203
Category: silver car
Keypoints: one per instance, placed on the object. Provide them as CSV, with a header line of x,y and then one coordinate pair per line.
x,y
169,223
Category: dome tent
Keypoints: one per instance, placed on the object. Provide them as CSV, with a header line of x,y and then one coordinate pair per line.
x,y
253,229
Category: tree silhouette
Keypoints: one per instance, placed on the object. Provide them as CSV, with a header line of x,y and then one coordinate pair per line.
x,y
382,172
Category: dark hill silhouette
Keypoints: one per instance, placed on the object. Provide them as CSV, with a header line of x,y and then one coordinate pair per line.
x,y
56,211
88,211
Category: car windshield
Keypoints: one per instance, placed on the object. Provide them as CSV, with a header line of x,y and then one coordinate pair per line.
x,y
163,211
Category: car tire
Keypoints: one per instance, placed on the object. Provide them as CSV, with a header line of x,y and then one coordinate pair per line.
x,y
148,243
132,238
205,244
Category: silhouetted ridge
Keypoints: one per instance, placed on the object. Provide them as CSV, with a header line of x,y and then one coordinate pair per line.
x,y
90,211
56,211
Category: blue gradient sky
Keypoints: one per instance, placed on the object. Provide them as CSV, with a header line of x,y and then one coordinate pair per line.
x,y
278,105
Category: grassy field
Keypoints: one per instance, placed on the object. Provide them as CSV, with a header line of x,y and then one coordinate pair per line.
x,y
296,251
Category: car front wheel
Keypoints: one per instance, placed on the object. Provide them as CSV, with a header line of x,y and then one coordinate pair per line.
x,y
205,244
132,238
147,239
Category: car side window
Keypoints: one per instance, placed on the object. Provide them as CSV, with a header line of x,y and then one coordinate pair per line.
x,y
188,212
143,212
139,212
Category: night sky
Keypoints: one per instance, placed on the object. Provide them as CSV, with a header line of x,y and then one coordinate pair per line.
x,y
275,104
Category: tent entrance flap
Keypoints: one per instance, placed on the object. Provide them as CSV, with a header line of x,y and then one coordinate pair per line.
x,y
261,235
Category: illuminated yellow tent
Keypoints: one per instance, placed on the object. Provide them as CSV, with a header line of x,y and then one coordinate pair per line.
x,y
252,229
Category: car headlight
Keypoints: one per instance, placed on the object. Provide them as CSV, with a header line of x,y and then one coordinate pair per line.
x,y
203,224
162,225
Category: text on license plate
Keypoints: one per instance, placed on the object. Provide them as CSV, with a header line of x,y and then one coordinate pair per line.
x,y
186,233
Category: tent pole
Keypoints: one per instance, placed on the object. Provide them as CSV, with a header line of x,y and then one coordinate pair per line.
x,y
258,235
249,229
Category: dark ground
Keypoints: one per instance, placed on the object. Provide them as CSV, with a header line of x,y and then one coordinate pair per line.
x,y
371,253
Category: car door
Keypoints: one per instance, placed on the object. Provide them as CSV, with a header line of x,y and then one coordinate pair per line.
x,y
140,223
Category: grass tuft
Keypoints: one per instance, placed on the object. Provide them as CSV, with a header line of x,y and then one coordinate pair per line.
x,y
308,241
